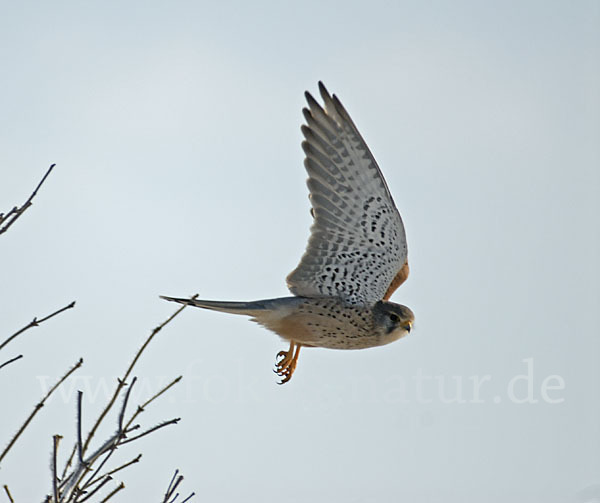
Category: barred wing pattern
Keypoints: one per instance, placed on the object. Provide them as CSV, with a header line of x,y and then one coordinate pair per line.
x,y
357,244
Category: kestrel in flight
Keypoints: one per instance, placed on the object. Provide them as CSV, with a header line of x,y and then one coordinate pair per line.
x,y
356,255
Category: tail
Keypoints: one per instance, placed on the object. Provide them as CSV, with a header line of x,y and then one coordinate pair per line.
x,y
247,308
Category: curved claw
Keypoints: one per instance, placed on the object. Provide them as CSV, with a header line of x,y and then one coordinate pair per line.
x,y
286,361
285,379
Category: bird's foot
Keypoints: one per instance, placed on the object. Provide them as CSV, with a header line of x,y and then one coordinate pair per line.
x,y
286,361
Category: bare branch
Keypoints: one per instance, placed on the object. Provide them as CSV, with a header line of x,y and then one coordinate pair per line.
x,y
115,470
172,486
154,428
73,485
84,474
161,392
175,481
11,360
94,477
79,442
74,479
122,382
125,402
105,480
10,498
54,474
142,407
115,491
35,322
39,406
118,437
12,216
69,462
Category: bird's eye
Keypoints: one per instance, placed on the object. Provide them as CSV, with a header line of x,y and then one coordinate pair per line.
x,y
394,318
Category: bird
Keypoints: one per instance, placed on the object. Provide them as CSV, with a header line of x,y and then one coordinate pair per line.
x,y
356,255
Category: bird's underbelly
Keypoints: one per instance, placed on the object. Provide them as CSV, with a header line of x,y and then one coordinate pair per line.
x,y
316,330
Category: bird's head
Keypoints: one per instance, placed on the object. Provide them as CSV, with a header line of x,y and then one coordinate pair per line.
x,y
393,320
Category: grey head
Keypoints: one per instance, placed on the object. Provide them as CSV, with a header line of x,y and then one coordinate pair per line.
x,y
393,320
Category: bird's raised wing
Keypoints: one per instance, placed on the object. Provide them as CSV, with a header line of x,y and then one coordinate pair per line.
x,y
357,246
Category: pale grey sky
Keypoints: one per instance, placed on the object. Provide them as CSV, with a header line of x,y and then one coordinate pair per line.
x,y
175,127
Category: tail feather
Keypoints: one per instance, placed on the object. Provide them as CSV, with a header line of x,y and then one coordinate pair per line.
x,y
247,308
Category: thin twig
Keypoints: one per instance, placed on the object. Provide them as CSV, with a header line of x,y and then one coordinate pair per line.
x,y
10,498
87,473
54,474
38,407
74,482
11,360
125,402
79,442
172,486
79,471
105,479
110,448
115,470
115,491
175,481
15,212
123,380
150,430
161,392
68,463
142,407
93,478
35,322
